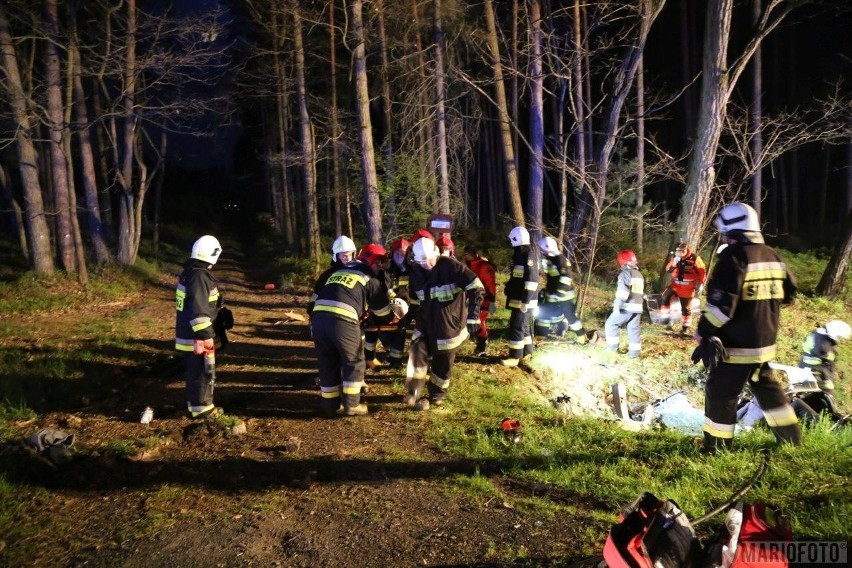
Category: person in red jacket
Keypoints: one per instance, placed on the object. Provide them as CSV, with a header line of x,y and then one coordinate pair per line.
x,y
487,274
688,274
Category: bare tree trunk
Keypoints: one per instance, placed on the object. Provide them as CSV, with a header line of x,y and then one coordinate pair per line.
x,y
36,225
88,174
79,247
307,154
834,278
718,81
387,143
516,18
337,179
757,114
369,179
56,132
127,200
440,118
509,164
427,144
583,191
640,155
158,190
535,197
282,104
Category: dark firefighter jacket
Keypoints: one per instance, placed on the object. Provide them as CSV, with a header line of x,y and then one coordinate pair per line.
x,y
398,277
323,278
197,302
352,290
523,280
744,298
559,287
445,308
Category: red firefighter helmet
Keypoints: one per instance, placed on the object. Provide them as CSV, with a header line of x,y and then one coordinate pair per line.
x,y
626,256
371,253
420,233
400,244
445,243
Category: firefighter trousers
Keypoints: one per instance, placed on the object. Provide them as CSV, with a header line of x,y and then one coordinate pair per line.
x,y
426,361
198,380
721,391
519,336
618,319
340,360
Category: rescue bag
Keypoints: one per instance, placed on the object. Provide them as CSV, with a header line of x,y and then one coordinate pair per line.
x,y
755,536
651,534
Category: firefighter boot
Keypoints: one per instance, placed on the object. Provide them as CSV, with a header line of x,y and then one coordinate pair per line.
x,y
414,390
481,347
360,410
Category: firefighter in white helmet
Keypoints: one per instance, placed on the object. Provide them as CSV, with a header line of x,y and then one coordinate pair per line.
x,y
744,298
558,296
819,354
343,251
197,302
450,297
521,298
350,291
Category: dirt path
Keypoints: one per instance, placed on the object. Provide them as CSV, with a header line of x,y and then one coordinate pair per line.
x,y
296,490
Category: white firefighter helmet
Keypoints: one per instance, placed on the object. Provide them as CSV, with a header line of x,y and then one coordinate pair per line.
x,y
519,236
838,329
399,307
343,244
424,249
737,217
548,246
207,248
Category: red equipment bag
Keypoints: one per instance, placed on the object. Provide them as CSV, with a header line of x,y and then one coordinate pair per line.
x,y
761,524
651,534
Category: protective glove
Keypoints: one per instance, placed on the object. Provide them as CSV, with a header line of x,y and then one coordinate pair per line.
x,y
472,326
202,345
711,352
399,307
676,259
523,309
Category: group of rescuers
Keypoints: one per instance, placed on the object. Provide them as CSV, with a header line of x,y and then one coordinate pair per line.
x,y
370,295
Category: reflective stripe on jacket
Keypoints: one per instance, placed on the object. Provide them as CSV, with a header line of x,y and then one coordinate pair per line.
x,y
197,301
630,290
744,298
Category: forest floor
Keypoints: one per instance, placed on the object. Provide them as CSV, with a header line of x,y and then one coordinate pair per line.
x,y
296,490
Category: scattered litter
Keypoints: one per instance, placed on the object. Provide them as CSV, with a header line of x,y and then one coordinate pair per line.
x,y
512,429
291,317
269,286
147,415
675,411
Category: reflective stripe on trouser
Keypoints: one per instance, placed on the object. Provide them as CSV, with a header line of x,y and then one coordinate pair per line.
x,y
371,341
519,337
721,391
199,383
432,363
340,360
628,320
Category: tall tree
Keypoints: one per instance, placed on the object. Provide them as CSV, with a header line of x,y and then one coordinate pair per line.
x,y
36,225
369,178
717,83
124,173
440,115
756,113
506,143
307,140
535,197
57,130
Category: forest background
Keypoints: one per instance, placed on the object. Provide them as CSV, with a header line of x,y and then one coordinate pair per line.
x,y
604,124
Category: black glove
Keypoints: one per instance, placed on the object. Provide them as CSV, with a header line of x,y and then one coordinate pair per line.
x,y
711,352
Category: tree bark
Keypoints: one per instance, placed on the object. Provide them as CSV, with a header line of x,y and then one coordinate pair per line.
x,y
509,164
440,114
388,142
337,179
127,201
834,278
535,197
57,131
307,154
640,155
369,178
36,224
756,114
88,174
